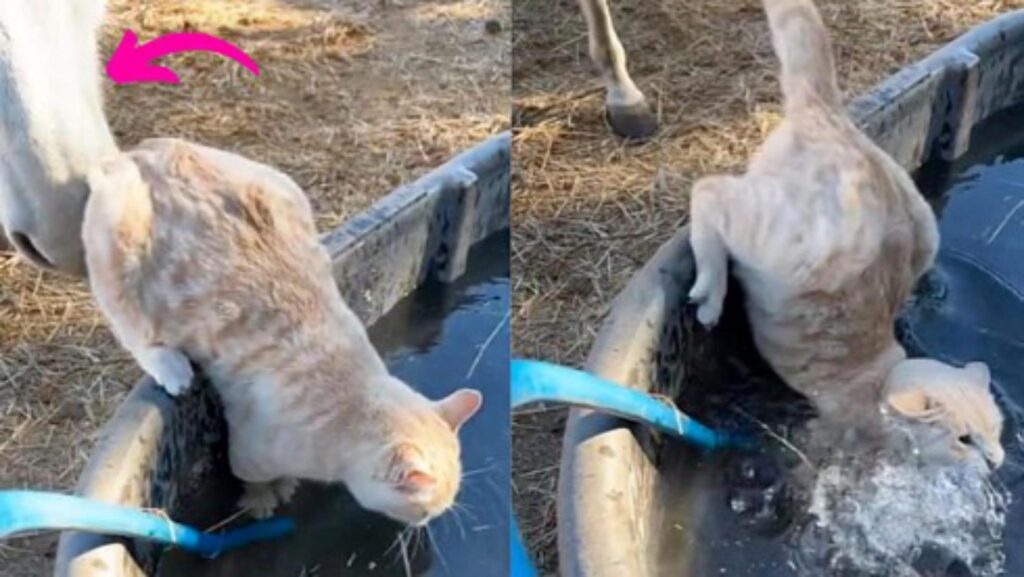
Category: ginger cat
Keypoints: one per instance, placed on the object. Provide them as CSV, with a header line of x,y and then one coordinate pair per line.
x,y
828,235
200,255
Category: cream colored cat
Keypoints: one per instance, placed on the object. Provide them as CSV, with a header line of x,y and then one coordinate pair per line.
x,y
952,412
197,254
828,235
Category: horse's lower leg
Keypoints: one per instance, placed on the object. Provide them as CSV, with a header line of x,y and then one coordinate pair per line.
x,y
628,112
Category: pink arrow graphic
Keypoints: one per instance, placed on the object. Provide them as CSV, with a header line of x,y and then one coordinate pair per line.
x,y
132,63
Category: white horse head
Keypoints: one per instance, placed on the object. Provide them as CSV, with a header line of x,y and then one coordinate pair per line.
x,y
52,128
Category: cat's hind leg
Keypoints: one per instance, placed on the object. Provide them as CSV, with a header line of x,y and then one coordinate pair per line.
x,y
264,489
260,499
116,232
708,201
285,489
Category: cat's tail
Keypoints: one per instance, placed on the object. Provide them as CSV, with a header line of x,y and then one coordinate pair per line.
x,y
801,43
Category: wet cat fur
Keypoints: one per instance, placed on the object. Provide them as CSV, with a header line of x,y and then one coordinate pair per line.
x,y
828,235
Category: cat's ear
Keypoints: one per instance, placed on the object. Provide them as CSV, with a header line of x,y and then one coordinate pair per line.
x,y
458,407
979,373
915,404
407,470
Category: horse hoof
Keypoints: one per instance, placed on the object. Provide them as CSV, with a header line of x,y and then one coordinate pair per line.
x,y
632,121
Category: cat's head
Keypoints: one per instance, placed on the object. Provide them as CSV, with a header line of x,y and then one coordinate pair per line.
x,y
415,474
952,412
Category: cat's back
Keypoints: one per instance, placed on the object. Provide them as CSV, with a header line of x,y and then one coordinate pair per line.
x,y
835,283
190,182
817,139
841,204
232,247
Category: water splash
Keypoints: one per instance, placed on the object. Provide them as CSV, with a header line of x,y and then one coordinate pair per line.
x,y
889,518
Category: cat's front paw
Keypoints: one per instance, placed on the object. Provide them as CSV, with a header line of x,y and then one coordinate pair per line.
x,y
259,499
708,293
178,380
709,313
709,308
171,369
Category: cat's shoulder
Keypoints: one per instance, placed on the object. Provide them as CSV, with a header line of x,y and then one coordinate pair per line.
x,y
214,169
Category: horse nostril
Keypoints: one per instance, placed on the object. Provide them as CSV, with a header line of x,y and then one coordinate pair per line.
x,y
25,246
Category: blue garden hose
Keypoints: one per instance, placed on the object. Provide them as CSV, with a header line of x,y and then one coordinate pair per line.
x,y
520,565
22,511
534,381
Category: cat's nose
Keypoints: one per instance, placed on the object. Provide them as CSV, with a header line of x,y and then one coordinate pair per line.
x,y
995,458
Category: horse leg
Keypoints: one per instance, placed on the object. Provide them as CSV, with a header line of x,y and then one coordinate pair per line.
x,y
627,109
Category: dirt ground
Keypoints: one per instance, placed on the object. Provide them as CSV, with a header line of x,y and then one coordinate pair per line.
x,y
355,98
588,210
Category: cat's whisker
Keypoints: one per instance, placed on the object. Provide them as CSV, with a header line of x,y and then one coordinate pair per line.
x,y
461,508
1007,483
479,471
462,528
1010,465
493,484
458,509
433,543
405,555
403,541
398,538
997,485
413,541
411,534
464,509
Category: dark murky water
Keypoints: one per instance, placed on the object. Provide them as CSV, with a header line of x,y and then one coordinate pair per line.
x,y
738,515
433,340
